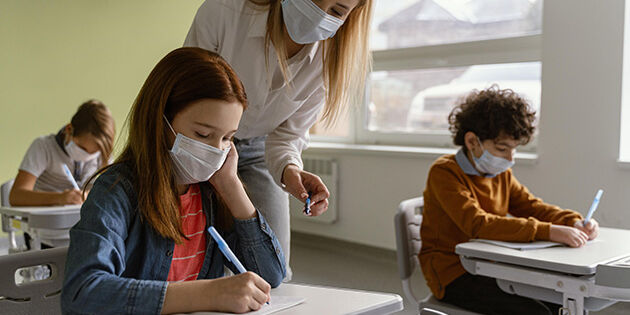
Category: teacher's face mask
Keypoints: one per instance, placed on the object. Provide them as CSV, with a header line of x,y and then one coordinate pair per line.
x,y
194,161
307,23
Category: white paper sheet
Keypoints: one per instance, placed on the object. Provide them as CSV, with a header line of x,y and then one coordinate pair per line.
x,y
276,304
520,246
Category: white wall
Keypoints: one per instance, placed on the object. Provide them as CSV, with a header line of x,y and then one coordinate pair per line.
x,y
579,134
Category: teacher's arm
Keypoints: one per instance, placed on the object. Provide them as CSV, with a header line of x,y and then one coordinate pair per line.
x,y
283,150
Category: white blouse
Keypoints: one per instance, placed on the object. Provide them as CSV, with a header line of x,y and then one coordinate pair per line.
x,y
235,29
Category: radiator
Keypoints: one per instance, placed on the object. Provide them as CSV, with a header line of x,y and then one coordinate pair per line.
x,y
326,169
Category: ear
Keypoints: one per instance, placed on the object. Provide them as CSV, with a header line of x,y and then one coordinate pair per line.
x,y
67,132
471,142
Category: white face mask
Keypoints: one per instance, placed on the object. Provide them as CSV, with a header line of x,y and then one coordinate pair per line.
x,y
307,23
194,161
77,154
490,164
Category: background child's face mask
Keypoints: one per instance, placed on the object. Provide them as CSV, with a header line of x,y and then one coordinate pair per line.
x,y
490,164
76,153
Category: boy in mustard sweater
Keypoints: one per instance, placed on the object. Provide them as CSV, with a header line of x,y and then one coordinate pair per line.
x,y
468,195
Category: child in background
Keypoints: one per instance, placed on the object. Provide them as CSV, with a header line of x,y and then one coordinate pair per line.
x,y
469,195
141,246
84,145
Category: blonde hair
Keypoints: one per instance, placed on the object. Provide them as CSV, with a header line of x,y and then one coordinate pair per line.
x,y
346,56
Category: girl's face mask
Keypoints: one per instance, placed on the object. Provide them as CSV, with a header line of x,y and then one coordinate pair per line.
x,y
194,161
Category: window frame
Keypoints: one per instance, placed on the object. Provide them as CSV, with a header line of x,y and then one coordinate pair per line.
x,y
527,48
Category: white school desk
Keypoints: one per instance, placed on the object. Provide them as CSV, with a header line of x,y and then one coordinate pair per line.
x,y
50,224
321,300
591,277
328,300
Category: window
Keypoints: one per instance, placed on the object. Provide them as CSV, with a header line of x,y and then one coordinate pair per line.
x,y
430,53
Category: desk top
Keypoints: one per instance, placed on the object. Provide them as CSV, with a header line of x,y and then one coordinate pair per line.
x,y
56,217
328,300
331,301
610,245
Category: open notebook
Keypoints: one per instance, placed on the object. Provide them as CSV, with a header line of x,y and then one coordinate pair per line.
x,y
276,304
520,246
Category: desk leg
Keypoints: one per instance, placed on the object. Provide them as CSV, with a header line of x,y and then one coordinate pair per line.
x,y
573,305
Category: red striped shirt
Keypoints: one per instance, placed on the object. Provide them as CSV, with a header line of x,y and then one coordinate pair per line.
x,y
188,256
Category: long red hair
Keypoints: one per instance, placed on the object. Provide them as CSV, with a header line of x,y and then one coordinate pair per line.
x,y
182,77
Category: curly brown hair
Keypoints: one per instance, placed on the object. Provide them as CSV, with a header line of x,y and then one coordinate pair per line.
x,y
490,113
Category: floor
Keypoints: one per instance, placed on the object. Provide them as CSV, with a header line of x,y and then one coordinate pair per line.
x,y
324,261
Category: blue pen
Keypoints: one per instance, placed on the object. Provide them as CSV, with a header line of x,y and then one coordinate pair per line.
x,y
225,249
593,206
66,170
307,205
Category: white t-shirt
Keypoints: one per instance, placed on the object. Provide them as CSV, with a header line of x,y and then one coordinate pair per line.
x,y
236,30
44,160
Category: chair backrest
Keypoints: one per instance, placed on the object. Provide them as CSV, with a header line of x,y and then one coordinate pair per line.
x,y
37,297
5,189
407,224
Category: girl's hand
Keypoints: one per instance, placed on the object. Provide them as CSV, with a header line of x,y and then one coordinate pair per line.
x,y
70,197
227,172
299,183
591,229
238,294
567,235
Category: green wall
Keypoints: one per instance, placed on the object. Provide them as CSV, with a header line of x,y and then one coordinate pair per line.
x,y
56,54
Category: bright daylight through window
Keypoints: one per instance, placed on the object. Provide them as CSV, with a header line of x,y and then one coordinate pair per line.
x,y
430,53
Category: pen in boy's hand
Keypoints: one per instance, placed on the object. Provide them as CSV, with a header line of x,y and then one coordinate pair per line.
x,y
307,205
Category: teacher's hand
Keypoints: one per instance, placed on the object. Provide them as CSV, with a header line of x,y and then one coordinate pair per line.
x,y
299,183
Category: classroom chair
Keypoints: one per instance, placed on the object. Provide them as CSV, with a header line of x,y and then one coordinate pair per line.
x,y
407,222
5,190
36,297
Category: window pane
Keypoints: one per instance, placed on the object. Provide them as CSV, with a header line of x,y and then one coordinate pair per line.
x,y
412,23
419,101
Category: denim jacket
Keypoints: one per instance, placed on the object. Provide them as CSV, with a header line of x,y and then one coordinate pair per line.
x,y
118,264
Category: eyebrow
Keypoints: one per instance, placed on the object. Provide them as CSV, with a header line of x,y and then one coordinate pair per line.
x,y
213,127
206,125
343,6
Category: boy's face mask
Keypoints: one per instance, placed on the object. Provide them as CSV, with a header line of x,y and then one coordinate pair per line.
x,y
306,23
490,164
76,153
194,161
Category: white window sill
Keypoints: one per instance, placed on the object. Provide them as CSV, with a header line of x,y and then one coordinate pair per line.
x,y
625,165
399,151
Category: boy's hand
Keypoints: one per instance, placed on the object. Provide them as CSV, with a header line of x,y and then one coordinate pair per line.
x,y
591,229
567,235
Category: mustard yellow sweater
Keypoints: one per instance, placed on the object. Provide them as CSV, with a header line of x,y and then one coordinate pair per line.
x,y
459,207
